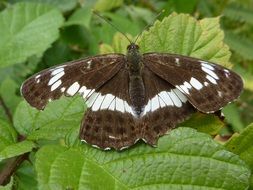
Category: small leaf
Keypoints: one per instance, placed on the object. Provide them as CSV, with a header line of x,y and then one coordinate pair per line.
x,y
63,5
238,13
81,17
8,135
25,177
232,116
8,91
52,123
27,29
119,44
16,149
184,158
206,123
240,44
182,34
104,5
242,145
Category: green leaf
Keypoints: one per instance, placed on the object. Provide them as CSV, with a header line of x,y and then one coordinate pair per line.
x,y
8,135
240,44
119,44
8,90
63,5
25,177
16,149
182,34
184,159
232,116
27,29
54,122
183,6
105,5
205,123
242,145
239,13
81,17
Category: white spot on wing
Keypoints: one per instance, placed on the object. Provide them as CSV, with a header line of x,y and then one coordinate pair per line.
x,y
195,83
181,96
73,89
219,93
107,101
38,76
120,105
98,102
175,99
128,108
57,70
166,98
162,103
112,106
207,65
37,80
92,99
206,83
56,77
155,103
63,89
211,73
112,137
187,85
147,107
211,79
89,64
177,61
55,85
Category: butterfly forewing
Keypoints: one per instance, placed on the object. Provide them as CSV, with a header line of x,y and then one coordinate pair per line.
x,y
82,76
208,86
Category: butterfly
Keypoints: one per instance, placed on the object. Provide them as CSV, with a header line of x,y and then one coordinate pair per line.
x,y
135,96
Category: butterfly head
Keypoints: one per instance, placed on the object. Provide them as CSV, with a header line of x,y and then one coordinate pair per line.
x,y
132,47
133,50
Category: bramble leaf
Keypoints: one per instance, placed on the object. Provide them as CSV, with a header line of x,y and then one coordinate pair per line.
x,y
27,29
183,159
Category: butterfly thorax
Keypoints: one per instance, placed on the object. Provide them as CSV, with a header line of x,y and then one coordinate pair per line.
x,y
136,86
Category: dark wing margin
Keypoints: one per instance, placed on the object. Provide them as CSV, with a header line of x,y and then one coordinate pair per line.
x,y
208,86
81,76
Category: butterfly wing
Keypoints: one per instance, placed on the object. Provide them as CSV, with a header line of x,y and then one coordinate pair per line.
x,y
109,121
165,107
208,86
82,76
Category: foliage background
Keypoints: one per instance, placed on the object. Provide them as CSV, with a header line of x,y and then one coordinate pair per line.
x,y
36,34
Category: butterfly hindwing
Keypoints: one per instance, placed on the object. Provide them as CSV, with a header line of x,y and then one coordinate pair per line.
x,y
109,121
208,86
165,107
81,76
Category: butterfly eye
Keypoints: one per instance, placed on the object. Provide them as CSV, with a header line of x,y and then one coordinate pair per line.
x,y
132,46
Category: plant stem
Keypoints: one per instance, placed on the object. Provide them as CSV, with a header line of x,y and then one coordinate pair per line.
x,y
11,167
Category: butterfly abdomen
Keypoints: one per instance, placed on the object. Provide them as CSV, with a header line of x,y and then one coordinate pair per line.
x,y
137,93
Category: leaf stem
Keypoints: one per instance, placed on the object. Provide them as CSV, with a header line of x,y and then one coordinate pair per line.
x,y
11,167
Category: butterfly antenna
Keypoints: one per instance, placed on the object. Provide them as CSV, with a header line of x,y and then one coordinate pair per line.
x,y
109,22
148,25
